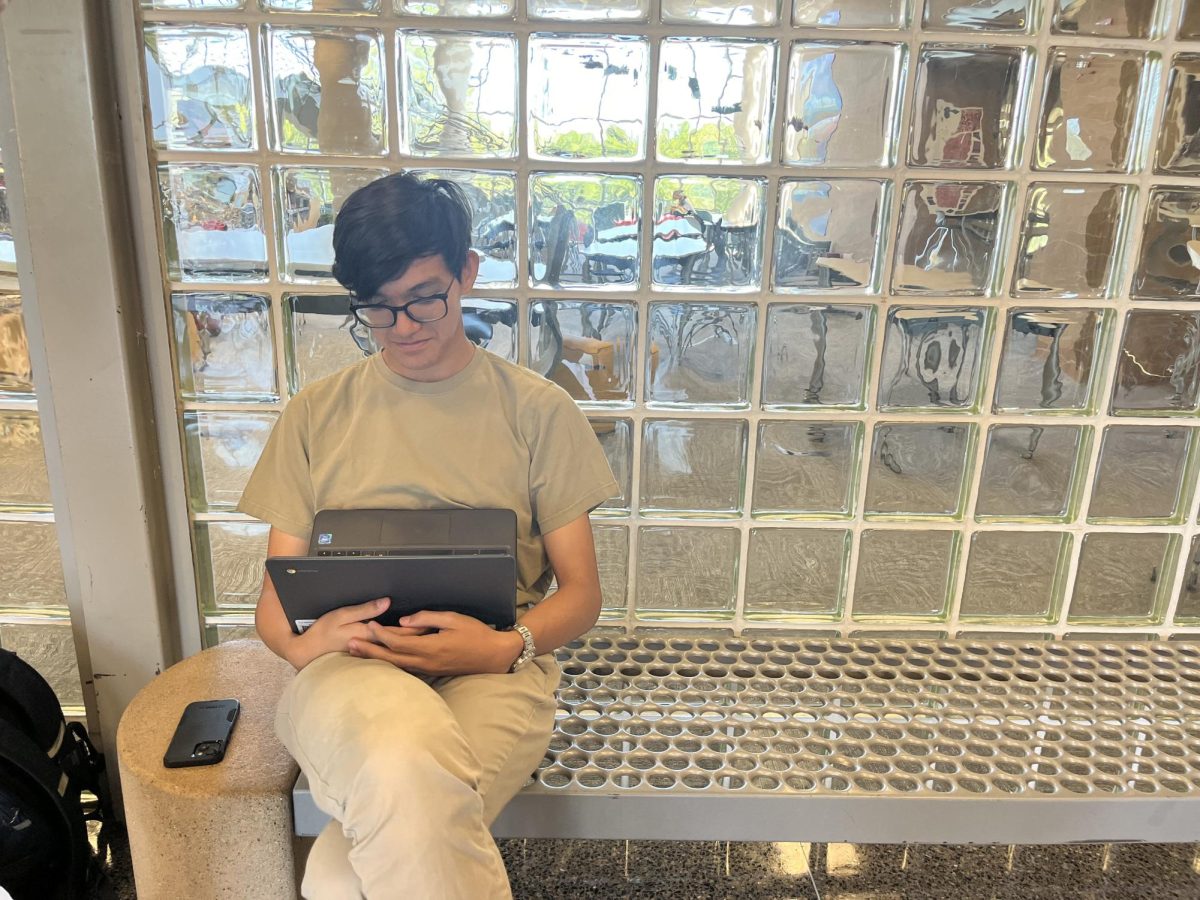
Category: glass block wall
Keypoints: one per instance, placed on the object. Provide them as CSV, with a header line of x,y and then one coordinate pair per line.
x,y
887,313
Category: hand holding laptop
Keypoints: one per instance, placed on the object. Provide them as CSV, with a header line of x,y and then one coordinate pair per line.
x,y
338,629
440,643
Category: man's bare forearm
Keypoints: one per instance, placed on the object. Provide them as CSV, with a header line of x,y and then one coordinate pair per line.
x,y
563,616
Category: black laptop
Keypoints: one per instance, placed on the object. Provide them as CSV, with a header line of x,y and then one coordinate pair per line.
x,y
456,560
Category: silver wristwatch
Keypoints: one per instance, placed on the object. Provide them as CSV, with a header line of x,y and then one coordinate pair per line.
x,y
530,650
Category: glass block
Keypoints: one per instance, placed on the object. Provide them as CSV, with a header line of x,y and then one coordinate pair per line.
x,y
816,355
347,7
458,94
1105,18
229,557
1169,265
1179,138
24,483
588,349
721,12
1189,21
964,15
693,468
50,648
1050,360
686,572
223,346
1091,110
796,574
1123,579
215,634
587,96
850,13
724,115
1187,611
1030,472
700,354
616,437
321,337
612,562
16,371
222,449
307,200
918,471
967,113
904,575
1142,474
1071,240
199,87
212,222
492,196
193,4
1158,370
950,239
806,470
1015,576
492,325
585,230
933,358
482,9
327,90
590,10
708,233
842,104
8,250
31,575
828,236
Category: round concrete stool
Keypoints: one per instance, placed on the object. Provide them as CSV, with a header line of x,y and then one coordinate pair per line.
x,y
210,831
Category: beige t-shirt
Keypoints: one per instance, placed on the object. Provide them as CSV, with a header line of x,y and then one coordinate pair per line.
x,y
495,435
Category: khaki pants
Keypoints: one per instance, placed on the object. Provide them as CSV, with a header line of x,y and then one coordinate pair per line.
x,y
413,772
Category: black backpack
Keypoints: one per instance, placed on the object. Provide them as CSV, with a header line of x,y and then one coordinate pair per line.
x,y
45,763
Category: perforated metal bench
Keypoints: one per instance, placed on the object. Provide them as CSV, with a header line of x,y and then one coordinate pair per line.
x,y
775,739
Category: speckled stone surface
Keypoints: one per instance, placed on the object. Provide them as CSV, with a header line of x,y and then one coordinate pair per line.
x,y
210,831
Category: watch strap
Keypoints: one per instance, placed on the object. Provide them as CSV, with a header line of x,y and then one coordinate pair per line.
x,y
529,651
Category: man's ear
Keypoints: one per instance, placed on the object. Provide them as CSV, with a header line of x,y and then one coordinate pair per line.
x,y
469,271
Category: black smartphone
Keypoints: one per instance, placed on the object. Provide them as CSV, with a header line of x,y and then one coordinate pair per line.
x,y
202,734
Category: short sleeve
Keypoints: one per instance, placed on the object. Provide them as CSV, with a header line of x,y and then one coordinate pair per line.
x,y
569,474
280,488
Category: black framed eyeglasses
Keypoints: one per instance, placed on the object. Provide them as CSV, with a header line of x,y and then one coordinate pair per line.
x,y
421,310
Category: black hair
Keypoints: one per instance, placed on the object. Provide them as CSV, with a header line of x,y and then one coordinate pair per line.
x,y
387,225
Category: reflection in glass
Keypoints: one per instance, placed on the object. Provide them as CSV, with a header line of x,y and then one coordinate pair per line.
x,y
1071,240
193,4
307,199
321,337
24,484
458,94
828,235
212,222
1142,473
587,97
842,103
796,574
589,10
721,12
483,9
1179,139
198,87
492,197
1049,360
1015,576
589,349
904,575
1091,110
616,437
31,573
693,467
584,230
612,563
321,6
708,233
1169,265
1030,472
222,449
1123,579
971,15
1187,612
229,563
700,354
850,13
966,114
933,358
716,100
327,91
1104,18
950,237
1189,22
918,471
492,325
816,355
16,372
806,469
49,647
8,255
223,346
1158,370
686,572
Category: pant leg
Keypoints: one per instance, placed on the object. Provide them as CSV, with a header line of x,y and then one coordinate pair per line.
x,y
385,756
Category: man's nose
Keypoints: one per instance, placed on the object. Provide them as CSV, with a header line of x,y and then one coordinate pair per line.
x,y
405,326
